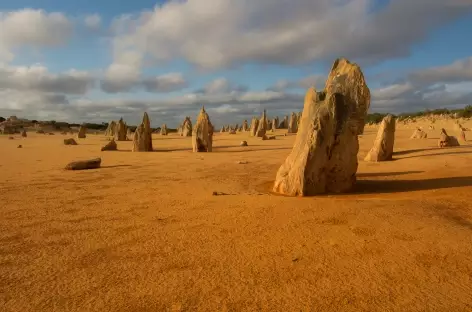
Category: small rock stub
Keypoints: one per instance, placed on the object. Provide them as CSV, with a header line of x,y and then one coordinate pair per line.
x,y
110,146
419,134
84,164
70,141
446,140
82,132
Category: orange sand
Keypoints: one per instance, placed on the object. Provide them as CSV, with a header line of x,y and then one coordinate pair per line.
x,y
144,233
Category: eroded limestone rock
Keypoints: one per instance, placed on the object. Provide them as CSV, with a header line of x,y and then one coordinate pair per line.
x,y
324,155
142,139
187,127
245,126
262,125
419,134
446,140
110,146
164,130
120,131
202,138
84,164
383,144
70,141
293,123
110,131
82,132
254,126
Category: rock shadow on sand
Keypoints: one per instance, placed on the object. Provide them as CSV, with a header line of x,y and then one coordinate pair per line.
x,y
412,151
366,186
399,186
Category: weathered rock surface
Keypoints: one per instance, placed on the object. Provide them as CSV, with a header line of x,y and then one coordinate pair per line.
x,y
383,145
324,155
419,134
275,124
265,137
142,139
70,141
110,146
186,127
202,138
262,125
245,126
284,123
120,131
23,133
110,131
462,135
82,132
446,140
243,143
343,76
254,126
164,130
293,123
84,164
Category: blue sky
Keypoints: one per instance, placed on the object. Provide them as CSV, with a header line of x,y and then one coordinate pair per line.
x,y
101,60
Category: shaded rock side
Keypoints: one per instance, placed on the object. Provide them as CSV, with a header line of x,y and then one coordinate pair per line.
x,y
245,126
82,132
202,138
383,144
293,123
164,130
147,133
121,131
347,78
70,141
275,124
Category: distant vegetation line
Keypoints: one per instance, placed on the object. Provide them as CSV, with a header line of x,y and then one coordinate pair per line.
x,y
371,118
465,112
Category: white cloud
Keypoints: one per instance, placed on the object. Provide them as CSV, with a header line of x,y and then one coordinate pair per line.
x,y
460,70
317,81
222,86
93,21
38,78
219,33
31,28
165,83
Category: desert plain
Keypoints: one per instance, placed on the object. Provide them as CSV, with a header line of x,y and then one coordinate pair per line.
x,y
145,232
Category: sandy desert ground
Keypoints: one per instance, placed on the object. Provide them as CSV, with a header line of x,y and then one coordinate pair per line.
x,y
144,233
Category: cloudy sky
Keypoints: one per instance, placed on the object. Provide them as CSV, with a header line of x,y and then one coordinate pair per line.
x,y
97,60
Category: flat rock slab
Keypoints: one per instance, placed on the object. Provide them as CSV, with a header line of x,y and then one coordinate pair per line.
x,y
84,164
